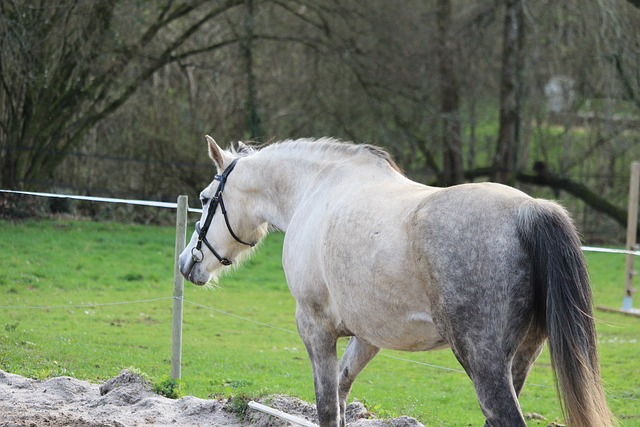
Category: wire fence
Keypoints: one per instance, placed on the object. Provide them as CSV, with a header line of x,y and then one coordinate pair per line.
x,y
166,205
85,305
171,205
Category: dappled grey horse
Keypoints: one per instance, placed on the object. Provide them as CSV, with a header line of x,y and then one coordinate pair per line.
x,y
481,268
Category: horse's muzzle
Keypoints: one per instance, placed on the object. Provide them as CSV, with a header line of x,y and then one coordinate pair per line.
x,y
192,270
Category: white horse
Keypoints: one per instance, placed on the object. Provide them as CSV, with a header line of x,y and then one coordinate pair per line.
x,y
481,268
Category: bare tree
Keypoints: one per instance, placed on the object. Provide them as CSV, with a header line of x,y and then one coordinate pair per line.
x,y
66,66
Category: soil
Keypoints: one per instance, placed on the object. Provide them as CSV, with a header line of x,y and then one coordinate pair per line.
x,y
128,401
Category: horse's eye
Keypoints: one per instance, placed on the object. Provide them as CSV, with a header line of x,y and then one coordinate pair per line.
x,y
204,200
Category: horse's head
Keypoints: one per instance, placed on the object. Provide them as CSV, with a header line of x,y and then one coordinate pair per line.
x,y
229,225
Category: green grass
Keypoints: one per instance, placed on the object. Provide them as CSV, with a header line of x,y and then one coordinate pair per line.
x,y
239,339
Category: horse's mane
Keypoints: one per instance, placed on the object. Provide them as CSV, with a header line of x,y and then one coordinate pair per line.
x,y
322,146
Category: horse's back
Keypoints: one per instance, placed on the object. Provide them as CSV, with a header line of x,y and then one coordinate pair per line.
x,y
470,222
465,220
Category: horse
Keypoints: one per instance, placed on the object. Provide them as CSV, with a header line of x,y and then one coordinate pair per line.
x,y
481,268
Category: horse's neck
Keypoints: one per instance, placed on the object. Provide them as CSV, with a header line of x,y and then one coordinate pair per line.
x,y
284,184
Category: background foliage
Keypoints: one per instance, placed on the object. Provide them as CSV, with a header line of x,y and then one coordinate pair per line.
x,y
113,98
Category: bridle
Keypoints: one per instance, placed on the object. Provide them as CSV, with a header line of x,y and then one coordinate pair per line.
x,y
196,252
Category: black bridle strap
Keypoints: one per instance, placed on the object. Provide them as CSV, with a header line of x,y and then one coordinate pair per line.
x,y
226,219
223,261
196,252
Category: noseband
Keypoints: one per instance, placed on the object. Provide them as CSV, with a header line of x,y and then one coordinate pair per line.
x,y
196,252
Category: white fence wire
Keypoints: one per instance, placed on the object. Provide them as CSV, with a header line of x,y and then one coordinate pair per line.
x,y
170,205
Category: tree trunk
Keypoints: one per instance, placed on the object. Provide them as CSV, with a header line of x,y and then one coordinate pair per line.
x,y
451,141
510,87
253,118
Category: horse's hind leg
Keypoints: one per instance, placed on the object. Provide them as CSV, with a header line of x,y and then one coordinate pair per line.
x,y
527,353
356,356
487,351
493,382
497,388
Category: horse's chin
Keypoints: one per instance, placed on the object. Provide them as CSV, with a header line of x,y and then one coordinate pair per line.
x,y
202,277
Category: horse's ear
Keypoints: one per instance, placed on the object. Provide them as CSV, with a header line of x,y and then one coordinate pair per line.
x,y
243,148
216,153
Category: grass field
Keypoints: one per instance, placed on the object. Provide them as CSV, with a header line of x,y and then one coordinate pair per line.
x,y
88,299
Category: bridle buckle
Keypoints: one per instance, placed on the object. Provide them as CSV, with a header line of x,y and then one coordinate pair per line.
x,y
196,254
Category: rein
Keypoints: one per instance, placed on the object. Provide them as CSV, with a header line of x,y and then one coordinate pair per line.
x,y
196,252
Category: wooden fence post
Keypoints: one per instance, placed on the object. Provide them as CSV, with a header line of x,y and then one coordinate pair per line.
x,y
178,289
632,228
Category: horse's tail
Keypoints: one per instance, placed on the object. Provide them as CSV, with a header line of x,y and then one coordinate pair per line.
x,y
563,302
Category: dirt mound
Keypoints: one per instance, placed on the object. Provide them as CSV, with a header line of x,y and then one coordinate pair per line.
x,y
128,401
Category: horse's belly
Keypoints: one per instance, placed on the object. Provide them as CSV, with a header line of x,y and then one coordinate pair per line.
x,y
411,332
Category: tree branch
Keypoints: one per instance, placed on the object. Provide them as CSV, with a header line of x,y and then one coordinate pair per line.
x,y
581,191
576,189
634,3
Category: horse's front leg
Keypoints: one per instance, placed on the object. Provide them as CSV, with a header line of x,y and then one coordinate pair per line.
x,y
320,339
